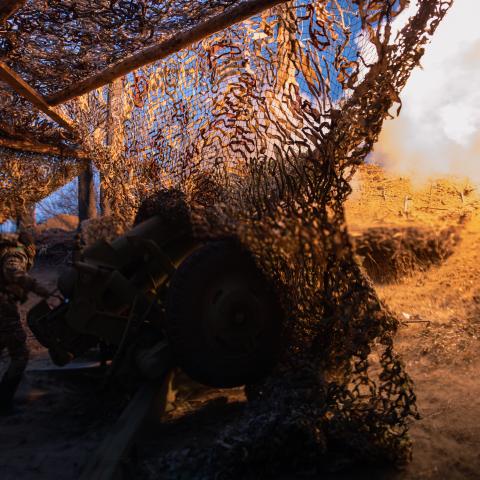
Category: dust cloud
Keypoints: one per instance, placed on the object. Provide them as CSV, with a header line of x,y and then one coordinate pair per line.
x,y
438,130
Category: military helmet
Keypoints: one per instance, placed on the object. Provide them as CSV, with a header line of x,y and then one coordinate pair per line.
x,y
20,245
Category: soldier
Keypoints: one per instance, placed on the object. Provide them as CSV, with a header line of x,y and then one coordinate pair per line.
x,y
16,258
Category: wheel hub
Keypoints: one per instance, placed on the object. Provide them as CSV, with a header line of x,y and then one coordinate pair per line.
x,y
233,321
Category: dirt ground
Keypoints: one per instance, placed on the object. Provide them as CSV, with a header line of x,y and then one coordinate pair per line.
x,y
62,417
440,314
439,340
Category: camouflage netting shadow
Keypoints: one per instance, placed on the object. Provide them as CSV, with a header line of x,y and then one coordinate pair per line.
x,y
277,112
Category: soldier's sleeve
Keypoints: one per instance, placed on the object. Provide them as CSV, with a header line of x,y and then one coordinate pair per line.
x,y
32,285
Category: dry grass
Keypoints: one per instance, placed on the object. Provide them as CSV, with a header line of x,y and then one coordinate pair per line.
x,y
389,253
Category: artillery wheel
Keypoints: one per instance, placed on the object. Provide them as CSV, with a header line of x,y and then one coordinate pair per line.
x,y
223,321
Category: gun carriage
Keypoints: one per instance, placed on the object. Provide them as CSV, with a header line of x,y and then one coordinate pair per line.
x,y
160,298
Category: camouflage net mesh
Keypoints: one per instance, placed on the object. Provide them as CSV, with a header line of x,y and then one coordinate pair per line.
x,y
26,178
56,42
277,112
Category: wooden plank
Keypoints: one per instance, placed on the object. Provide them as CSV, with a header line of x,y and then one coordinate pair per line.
x,y
9,7
37,147
25,90
177,42
106,462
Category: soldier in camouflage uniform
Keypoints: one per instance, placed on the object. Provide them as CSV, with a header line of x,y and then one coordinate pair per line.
x,y
16,258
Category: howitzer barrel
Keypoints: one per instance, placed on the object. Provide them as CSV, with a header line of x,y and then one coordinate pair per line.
x,y
129,247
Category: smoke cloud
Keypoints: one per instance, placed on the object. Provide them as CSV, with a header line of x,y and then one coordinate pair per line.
x,y
438,130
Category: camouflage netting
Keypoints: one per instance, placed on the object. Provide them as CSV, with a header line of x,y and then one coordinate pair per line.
x,y
277,112
57,42
52,44
26,178
101,228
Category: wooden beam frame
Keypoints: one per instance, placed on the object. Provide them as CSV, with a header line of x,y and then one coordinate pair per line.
x,y
9,7
165,48
42,148
9,131
25,90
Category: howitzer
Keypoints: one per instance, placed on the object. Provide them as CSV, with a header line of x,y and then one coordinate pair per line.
x,y
160,298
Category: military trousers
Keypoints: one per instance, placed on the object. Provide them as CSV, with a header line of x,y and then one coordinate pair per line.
x,y
13,341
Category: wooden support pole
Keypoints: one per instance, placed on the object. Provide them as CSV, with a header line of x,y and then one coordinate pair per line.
x,y
175,43
114,137
105,206
25,90
26,217
87,201
42,148
9,7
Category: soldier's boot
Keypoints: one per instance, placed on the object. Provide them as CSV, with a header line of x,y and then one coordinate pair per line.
x,y
8,387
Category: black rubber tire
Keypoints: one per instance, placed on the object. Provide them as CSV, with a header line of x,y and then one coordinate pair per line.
x,y
223,321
